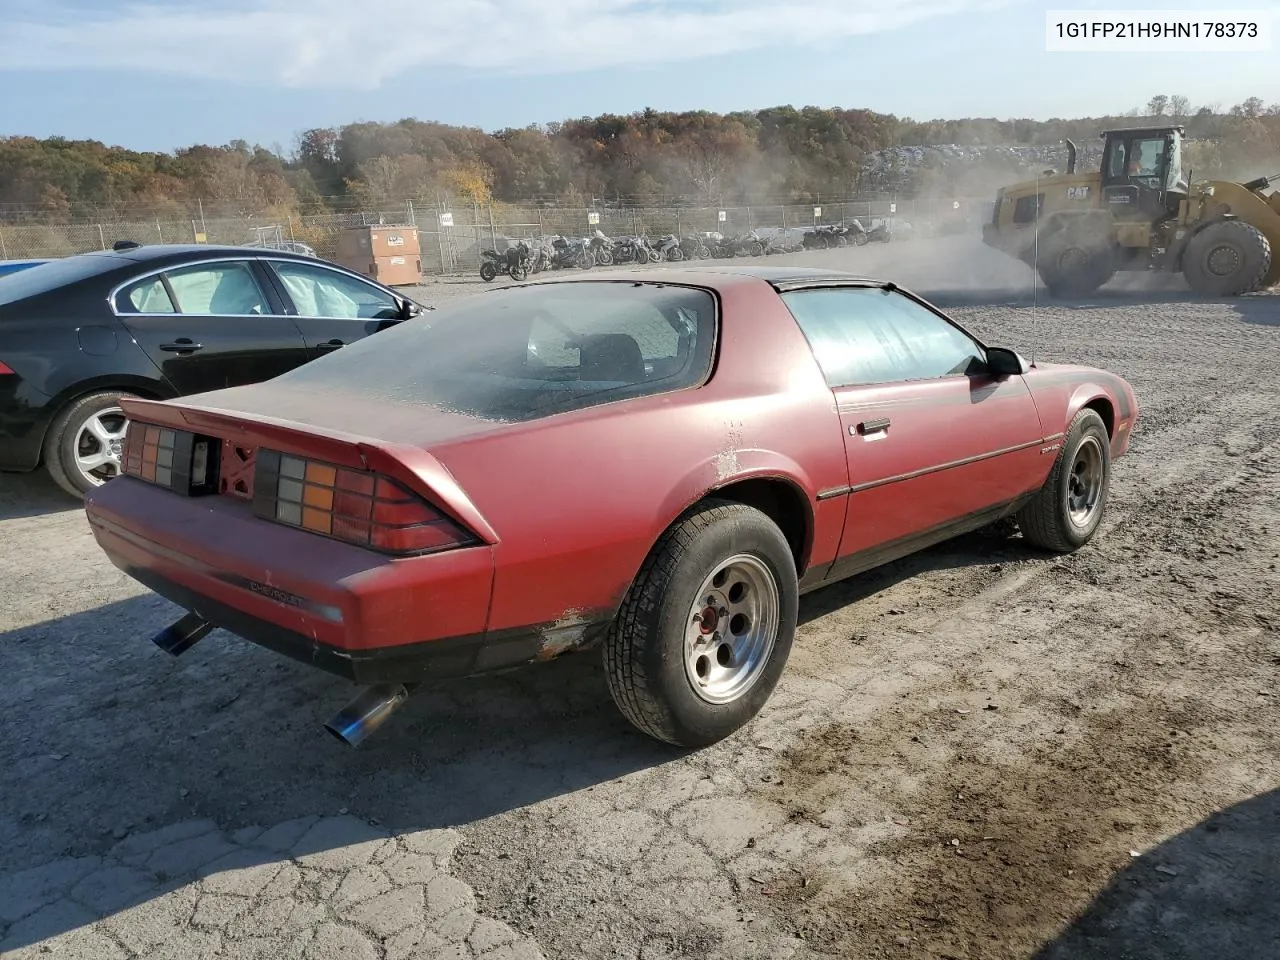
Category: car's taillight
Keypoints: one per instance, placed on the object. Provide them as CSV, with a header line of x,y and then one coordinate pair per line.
x,y
180,461
356,506
5,369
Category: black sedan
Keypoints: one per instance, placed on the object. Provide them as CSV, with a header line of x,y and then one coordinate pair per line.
x,y
159,322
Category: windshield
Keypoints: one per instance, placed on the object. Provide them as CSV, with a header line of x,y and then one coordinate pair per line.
x,y
527,352
56,273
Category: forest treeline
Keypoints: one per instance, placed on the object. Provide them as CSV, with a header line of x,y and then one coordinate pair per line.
x,y
779,154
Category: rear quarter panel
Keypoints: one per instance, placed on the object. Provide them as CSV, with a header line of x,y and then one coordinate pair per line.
x,y
61,346
579,500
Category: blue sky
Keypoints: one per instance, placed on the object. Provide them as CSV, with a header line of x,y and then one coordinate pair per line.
x,y
158,74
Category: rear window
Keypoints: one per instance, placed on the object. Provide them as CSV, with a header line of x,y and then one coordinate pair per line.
x,y
56,273
528,352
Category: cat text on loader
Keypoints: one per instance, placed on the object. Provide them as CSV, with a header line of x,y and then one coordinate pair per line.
x,y
1139,213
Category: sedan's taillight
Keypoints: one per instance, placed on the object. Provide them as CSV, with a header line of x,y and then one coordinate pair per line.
x,y
5,369
356,506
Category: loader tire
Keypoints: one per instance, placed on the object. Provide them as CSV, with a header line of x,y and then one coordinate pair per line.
x,y
1227,259
1074,268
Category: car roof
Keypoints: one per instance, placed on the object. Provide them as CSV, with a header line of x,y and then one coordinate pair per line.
x,y
716,276
160,251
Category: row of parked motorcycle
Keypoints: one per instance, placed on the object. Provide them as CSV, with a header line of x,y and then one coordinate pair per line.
x,y
535,254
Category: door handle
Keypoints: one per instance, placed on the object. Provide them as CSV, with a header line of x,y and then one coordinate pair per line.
x,y
331,344
182,345
873,426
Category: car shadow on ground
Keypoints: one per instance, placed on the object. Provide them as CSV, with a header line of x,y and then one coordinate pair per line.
x,y
25,495
1206,894
114,738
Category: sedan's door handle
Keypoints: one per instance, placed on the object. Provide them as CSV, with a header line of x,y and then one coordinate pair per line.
x,y
182,345
331,344
873,426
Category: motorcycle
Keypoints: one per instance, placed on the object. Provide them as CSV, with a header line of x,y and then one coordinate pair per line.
x,y
602,249
514,262
668,248
694,248
571,253
646,252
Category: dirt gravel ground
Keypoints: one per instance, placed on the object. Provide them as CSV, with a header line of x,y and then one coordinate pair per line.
x,y
979,752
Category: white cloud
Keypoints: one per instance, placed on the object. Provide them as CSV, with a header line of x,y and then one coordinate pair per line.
x,y
360,45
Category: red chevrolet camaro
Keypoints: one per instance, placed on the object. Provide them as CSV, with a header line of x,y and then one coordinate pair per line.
x,y
656,464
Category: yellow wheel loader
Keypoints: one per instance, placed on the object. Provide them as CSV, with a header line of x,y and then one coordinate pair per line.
x,y
1139,213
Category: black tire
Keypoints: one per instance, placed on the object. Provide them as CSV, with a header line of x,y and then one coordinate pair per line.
x,y
65,438
1227,259
645,656
488,271
1047,522
519,271
1074,268
860,239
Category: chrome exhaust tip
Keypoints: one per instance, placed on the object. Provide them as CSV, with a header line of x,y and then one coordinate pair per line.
x,y
177,638
364,715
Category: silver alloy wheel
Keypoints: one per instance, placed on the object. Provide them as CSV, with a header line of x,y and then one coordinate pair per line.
x,y
1084,484
99,445
731,630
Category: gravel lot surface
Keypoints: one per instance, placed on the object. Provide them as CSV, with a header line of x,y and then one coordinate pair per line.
x,y
979,752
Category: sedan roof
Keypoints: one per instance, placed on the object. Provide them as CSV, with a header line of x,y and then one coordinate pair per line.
x,y
160,251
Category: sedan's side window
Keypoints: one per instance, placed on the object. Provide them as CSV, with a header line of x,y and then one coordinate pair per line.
x,y
226,289
147,296
322,293
866,335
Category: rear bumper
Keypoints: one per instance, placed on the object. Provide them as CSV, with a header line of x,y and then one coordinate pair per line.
x,y
345,610
24,422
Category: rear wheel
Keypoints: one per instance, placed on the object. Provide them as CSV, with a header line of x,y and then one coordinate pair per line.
x,y
1075,269
705,631
86,443
1227,259
1067,510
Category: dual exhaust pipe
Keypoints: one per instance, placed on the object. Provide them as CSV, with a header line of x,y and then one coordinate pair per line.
x,y
353,724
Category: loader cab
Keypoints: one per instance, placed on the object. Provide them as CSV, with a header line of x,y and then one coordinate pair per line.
x,y
1142,172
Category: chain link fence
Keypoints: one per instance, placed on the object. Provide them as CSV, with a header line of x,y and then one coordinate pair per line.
x,y
452,237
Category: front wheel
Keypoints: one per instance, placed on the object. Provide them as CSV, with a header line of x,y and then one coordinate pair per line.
x,y
488,271
519,271
675,254
85,445
705,632
1227,259
1067,510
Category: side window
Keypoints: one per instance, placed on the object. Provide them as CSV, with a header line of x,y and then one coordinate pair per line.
x,y
1115,160
1026,209
864,335
225,289
321,293
145,296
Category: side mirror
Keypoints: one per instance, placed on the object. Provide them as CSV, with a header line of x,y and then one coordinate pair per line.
x,y
409,309
1002,362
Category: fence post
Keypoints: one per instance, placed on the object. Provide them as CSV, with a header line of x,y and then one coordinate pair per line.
x,y
493,231
444,262
4,254
102,239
